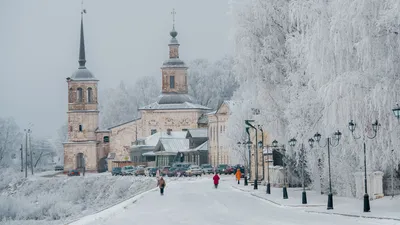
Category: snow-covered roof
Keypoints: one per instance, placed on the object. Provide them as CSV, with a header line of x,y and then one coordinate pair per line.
x,y
203,119
198,133
202,147
149,154
152,140
174,145
185,105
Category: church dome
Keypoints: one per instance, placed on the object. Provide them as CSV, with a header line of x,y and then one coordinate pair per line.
x,y
174,98
82,74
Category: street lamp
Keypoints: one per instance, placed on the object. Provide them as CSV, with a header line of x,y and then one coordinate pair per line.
x,y
292,143
317,138
248,124
352,128
396,111
261,146
246,169
284,189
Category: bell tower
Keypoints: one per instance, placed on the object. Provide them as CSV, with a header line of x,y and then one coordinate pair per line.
x,y
174,70
80,150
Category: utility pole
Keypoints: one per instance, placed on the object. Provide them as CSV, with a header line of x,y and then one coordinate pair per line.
x,y
26,153
22,158
30,148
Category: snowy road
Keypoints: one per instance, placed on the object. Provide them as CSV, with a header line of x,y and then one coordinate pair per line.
x,y
197,202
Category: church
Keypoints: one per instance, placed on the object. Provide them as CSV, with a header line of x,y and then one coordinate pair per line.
x,y
174,112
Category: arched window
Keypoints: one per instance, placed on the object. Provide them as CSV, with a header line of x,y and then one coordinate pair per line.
x,y
70,96
89,95
79,94
80,128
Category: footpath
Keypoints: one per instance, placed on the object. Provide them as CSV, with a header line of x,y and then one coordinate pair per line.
x,y
387,208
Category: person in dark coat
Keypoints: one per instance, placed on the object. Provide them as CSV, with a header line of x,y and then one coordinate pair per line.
x,y
161,184
216,180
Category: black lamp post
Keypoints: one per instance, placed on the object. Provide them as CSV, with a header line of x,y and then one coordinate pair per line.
x,y
317,138
284,189
261,146
246,170
292,143
248,124
352,128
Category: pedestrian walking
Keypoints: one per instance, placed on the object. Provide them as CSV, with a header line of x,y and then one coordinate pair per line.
x,y
238,175
161,184
216,180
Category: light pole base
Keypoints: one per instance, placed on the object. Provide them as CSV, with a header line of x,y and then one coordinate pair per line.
x,y
255,184
366,203
245,181
269,188
304,198
285,195
330,201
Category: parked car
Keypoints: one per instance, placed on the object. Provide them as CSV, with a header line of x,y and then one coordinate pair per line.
x,y
172,172
180,171
207,169
147,171
164,170
74,173
58,168
127,171
153,171
139,171
224,169
116,171
193,170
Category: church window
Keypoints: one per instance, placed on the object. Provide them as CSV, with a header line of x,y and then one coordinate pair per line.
x,y
153,131
106,139
80,128
80,94
89,95
172,82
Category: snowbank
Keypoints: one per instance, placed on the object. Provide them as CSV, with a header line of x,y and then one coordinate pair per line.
x,y
61,199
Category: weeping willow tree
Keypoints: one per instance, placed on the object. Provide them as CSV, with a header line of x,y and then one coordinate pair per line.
x,y
313,66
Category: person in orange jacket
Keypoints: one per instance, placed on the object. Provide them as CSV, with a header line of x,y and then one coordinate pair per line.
x,y
238,175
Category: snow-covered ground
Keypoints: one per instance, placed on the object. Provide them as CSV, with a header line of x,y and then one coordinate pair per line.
x,y
196,202
385,208
52,198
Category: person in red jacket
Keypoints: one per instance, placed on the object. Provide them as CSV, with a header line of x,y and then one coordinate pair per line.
x,y
216,180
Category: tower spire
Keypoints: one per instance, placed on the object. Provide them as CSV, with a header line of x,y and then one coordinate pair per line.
x,y
82,57
173,33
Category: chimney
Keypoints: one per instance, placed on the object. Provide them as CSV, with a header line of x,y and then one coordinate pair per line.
x,y
169,131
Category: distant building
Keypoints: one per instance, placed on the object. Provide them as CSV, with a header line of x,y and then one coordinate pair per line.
x,y
174,111
219,149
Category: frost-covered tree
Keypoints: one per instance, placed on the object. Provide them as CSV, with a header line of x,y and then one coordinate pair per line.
x,y
313,66
121,104
10,142
210,83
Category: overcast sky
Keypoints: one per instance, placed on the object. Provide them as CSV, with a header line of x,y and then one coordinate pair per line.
x,y
125,39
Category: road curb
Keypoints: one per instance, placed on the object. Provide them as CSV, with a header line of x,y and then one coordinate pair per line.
x,y
352,215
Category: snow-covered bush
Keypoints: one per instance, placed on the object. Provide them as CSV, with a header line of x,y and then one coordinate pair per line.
x,y
62,198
